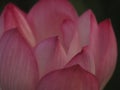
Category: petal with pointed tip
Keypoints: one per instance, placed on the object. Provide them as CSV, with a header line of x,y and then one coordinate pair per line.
x,y
84,27
75,46
85,59
46,17
68,31
104,48
50,55
72,78
70,38
81,38
7,18
18,67
14,17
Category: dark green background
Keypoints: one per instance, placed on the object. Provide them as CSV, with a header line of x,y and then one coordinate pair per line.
x,y
102,9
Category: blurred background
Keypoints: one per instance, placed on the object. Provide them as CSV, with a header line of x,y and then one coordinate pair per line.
x,y
102,9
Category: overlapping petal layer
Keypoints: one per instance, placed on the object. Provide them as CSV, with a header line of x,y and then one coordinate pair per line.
x,y
72,78
59,39
103,45
85,59
18,66
50,55
52,15
12,17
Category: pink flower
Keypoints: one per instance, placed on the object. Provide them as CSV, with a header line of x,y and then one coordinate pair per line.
x,y
52,48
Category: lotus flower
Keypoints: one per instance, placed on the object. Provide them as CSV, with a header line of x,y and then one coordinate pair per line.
x,y
52,48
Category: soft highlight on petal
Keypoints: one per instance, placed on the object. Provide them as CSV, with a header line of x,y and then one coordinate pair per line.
x,y
50,55
75,46
72,78
14,17
84,27
70,38
81,37
18,67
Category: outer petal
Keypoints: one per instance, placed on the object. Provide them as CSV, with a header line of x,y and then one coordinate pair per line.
x,y
47,17
12,17
50,55
1,27
73,78
104,48
18,68
85,59
8,18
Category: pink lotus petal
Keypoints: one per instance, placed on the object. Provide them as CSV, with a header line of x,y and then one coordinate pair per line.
x,y
50,55
73,78
1,27
0,88
105,51
68,31
85,59
18,68
81,37
13,17
84,27
102,46
70,38
75,46
52,14
7,18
